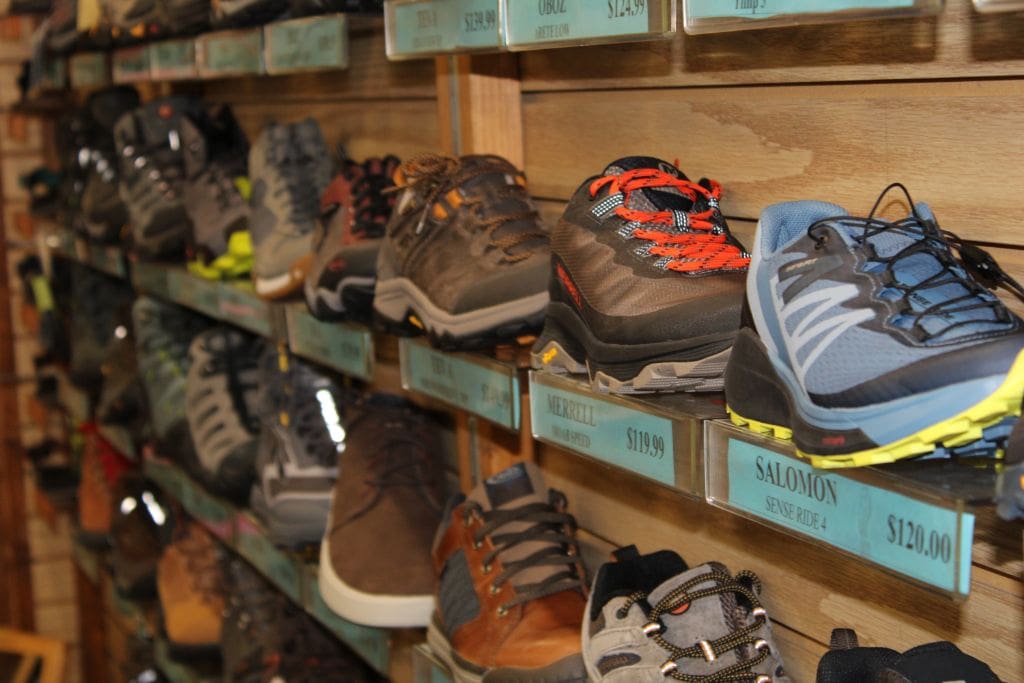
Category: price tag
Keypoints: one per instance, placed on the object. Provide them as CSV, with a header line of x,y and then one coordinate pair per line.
x,y
188,290
279,567
608,430
55,74
427,27
217,516
109,259
238,304
173,59
548,23
344,347
306,44
230,53
150,279
918,539
372,644
89,69
480,385
131,64
708,16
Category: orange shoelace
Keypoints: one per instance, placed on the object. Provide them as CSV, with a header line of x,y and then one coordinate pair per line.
x,y
698,247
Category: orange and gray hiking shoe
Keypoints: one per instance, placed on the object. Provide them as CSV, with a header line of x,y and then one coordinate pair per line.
x,y
101,468
646,282
190,583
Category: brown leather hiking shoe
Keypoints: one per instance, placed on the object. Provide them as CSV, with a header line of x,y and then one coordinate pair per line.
x,y
465,256
390,489
511,591
190,583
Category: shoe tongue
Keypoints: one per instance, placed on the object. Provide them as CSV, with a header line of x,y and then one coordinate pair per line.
x,y
520,484
652,198
706,618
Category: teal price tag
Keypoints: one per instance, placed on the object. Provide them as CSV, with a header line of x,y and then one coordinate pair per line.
x,y
230,53
485,387
131,64
55,73
427,27
763,9
604,429
537,23
89,69
918,539
239,304
108,259
306,44
342,346
281,568
196,293
372,644
150,279
173,59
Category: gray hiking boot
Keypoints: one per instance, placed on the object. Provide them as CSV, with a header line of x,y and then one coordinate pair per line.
x,y
221,391
303,433
465,257
289,167
650,618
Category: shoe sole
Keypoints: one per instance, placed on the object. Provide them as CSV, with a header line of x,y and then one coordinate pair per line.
x,y
644,368
397,302
440,646
352,299
962,429
292,530
285,284
370,609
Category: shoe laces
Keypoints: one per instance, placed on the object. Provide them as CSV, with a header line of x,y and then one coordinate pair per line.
x,y
695,242
975,305
371,201
300,193
236,359
551,526
745,584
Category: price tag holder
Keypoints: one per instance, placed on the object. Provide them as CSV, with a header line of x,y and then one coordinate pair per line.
x,y
422,28
108,259
188,290
150,278
281,568
987,6
541,24
173,60
55,73
230,53
89,69
716,16
480,385
130,64
660,444
372,644
239,305
307,44
865,513
345,347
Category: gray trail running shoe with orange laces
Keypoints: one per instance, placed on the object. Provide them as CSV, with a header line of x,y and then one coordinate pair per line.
x,y
465,257
646,282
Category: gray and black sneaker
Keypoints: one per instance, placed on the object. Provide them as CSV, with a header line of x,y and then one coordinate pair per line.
x,y
221,391
152,173
646,282
303,433
289,168
104,212
465,258
651,618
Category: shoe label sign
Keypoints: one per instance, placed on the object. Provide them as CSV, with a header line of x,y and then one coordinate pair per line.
x,y
230,53
306,44
89,69
238,304
420,28
191,291
908,535
130,64
543,23
172,59
710,16
150,278
282,569
345,347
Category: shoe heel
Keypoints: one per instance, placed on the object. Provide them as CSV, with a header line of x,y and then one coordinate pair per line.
x,y
753,392
556,351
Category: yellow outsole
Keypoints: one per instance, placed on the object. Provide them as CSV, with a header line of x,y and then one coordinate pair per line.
x,y
959,430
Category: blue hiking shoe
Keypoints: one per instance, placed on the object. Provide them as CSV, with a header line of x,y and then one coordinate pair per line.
x,y
866,341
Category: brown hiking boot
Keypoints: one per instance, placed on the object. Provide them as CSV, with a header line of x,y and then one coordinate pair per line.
x,y
465,257
191,588
100,469
390,489
512,590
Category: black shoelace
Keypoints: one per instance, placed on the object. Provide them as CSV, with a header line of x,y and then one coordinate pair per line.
x,y
549,526
928,238
745,584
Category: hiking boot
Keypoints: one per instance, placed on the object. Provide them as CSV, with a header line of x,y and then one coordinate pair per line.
x,y
220,392
99,318
190,584
466,257
866,341
289,168
651,618
137,533
940,662
646,282
391,487
303,433
511,590
152,173
354,212
101,467
215,169
104,213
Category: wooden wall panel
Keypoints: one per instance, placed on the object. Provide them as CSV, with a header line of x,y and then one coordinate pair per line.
x,y
959,43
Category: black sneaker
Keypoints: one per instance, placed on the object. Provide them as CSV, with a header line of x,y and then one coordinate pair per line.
x,y
646,282
941,662
104,212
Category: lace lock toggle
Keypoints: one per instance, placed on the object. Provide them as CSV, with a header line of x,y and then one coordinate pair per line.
x,y
709,652
653,628
668,667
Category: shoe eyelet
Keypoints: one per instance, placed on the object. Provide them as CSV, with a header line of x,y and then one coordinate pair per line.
x,y
494,590
761,645
502,611
621,613
486,569
477,545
